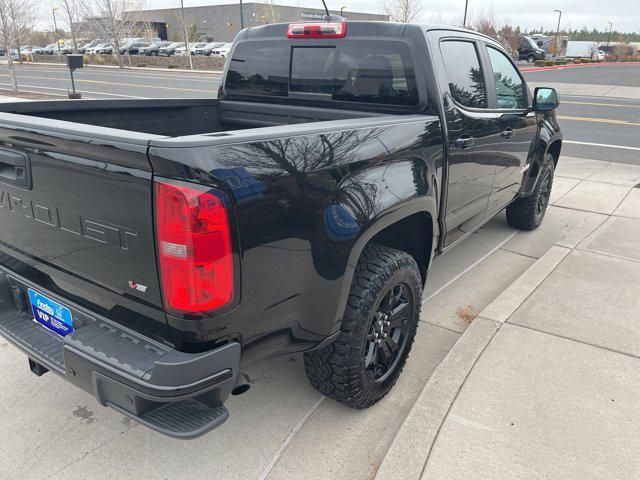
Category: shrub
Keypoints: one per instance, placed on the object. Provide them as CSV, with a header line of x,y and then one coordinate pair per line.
x,y
141,65
539,63
86,59
584,60
549,63
100,60
172,66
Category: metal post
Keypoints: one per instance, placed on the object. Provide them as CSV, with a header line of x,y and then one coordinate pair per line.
x,y
464,20
55,29
241,17
558,32
609,36
73,84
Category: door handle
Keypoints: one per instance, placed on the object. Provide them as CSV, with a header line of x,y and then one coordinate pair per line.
x,y
508,133
15,168
464,142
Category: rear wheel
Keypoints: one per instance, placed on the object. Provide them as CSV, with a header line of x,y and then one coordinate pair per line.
x,y
377,332
531,59
527,213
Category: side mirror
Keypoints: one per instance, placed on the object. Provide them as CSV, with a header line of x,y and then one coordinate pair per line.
x,y
545,99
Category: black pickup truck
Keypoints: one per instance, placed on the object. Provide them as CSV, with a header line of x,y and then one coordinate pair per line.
x,y
148,246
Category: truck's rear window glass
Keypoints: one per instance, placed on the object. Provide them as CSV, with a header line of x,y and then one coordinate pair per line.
x,y
464,74
259,68
378,71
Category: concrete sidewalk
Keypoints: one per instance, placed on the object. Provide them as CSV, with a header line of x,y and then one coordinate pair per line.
x,y
546,382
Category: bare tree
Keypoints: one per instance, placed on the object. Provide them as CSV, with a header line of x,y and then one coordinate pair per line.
x,y
269,12
16,19
403,11
185,32
70,14
114,20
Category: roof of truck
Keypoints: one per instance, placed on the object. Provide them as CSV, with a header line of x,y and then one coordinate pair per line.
x,y
390,28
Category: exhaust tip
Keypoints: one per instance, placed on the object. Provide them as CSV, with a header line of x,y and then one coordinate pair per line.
x,y
240,389
36,368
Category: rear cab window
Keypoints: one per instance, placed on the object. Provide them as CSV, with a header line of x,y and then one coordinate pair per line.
x,y
347,70
464,73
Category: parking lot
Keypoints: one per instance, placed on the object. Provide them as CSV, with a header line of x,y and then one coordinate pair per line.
x,y
282,427
600,104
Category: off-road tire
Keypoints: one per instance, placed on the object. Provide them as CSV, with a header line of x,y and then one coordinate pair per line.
x,y
338,370
527,213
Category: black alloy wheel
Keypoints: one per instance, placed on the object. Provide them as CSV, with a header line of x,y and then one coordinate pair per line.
x,y
387,335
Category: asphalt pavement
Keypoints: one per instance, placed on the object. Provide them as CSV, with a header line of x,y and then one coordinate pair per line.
x,y
599,111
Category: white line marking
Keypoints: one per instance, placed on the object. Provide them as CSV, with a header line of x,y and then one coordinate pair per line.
x,y
623,147
474,264
289,439
20,85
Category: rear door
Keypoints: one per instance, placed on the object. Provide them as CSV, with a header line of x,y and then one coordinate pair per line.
x,y
510,100
474,135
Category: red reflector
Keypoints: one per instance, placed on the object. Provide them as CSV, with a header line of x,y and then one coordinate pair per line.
x,y
194,248
317,30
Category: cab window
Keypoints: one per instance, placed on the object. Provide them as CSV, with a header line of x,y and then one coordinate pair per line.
x,y
510,89
462,64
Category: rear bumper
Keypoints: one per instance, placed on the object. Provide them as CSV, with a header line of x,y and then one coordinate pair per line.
x,y
176,393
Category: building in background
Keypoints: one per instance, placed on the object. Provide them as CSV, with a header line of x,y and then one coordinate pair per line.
x,y
222,22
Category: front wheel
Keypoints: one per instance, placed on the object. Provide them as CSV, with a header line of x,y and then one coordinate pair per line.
x,y
526,213
531,59
377,332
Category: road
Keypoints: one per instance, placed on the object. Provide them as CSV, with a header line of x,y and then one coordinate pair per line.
x,y
598,105
113,83
599,112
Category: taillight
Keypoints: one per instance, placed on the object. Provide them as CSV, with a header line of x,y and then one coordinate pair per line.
x,y
194,248
317,30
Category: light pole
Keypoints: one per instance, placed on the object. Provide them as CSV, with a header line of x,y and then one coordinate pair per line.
x,y
609,36
241,17
341,9
55,28
559,12
464,20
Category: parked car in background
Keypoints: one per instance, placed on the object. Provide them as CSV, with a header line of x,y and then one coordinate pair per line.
x,y
40,50
529,51
93,43
105,49
182,50
28,49
59,49
152,49
208,48
222,51
599,55
133,48
93,50
169,49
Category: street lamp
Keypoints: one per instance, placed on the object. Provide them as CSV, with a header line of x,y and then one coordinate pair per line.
x,y
241,17
55,28
559,12
464,20
609,37
341,9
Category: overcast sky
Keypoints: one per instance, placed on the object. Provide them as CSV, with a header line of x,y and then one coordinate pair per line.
x,y
625,14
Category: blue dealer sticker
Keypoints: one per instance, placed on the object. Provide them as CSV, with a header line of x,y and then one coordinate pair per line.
x,y
51,314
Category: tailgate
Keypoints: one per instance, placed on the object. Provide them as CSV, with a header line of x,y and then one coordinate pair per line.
x,y
76,216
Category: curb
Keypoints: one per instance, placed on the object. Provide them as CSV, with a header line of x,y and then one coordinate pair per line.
x,y
409,451
133,69
575,65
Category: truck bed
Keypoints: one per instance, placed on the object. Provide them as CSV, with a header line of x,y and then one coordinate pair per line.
x,y
178,117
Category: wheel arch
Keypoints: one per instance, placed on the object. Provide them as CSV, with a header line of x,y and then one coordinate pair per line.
x,y
405,231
